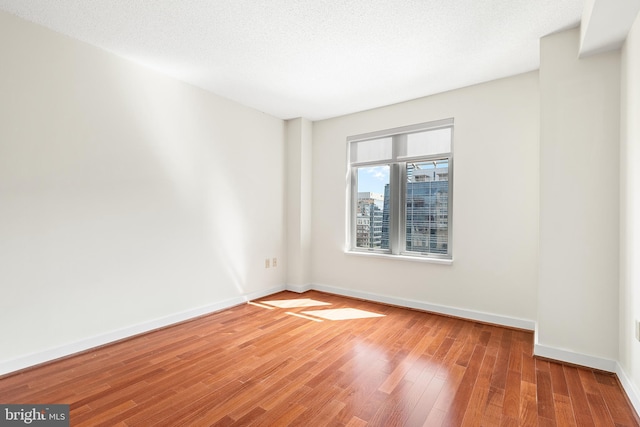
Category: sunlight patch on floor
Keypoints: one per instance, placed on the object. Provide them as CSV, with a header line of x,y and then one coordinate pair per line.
x,y
257,304
342,314
304,317
293,303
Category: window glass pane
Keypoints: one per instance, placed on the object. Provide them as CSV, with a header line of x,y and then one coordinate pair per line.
x,y
427,211
428,143
372,150
372,210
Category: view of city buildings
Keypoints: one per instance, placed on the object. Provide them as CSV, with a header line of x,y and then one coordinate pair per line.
x,y
426,211
369,220
427,207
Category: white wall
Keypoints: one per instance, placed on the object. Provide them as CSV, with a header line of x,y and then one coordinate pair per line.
x,y
125,196
495,223
629,353
579,202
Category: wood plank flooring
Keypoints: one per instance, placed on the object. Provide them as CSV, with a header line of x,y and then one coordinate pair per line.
x,y
261,365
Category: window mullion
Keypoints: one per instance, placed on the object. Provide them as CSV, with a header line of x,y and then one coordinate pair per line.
x,y
353,212
398,149
395,209
402,207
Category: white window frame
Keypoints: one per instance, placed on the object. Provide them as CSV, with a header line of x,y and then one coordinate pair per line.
x,y
397,189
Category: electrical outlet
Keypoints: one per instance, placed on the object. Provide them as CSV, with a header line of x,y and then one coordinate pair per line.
x,y
266,263
274,262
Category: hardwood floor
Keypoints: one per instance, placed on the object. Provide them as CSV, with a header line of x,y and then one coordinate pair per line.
x,y
261,365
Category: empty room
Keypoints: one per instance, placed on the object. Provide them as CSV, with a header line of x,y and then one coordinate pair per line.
x,y
320,213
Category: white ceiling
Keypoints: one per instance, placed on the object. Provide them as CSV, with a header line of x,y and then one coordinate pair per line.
x,y
315,58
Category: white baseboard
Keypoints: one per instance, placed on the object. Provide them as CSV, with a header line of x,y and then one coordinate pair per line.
x,y
64,350
632,392
261,294
300,288
568,356
479,316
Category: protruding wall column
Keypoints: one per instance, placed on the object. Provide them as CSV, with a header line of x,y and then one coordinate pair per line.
x,y
299,138
579,203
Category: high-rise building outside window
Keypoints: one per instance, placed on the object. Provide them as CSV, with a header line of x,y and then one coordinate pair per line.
x,y
401,191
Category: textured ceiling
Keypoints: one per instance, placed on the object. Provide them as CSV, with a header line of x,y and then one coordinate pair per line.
x,y
315,58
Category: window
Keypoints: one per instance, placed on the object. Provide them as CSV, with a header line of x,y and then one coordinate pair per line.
x,y
401,190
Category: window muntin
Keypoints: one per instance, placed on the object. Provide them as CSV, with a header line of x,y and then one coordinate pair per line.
x,y
416,164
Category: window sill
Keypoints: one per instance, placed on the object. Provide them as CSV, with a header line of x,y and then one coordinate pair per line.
x,y
401,257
